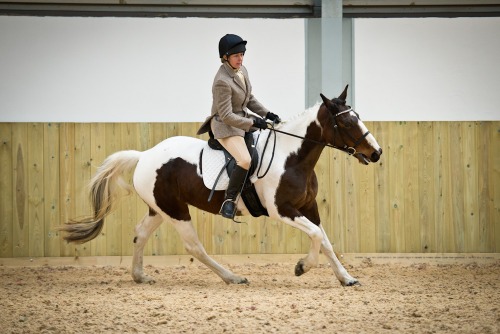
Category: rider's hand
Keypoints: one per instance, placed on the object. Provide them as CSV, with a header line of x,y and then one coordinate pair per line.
x,y
260,123
273,117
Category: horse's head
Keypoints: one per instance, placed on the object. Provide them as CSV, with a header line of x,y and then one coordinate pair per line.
x,y
344,129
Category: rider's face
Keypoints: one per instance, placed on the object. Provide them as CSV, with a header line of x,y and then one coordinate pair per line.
x,y
236,60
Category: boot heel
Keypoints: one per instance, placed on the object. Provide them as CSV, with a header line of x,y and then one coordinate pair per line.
x,y
228,209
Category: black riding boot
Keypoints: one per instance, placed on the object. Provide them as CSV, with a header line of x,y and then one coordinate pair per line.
x,y
228,209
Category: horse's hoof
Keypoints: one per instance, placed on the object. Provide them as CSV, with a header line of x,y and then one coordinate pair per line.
x,y
353,283
299,268
244,281
236,280
144,279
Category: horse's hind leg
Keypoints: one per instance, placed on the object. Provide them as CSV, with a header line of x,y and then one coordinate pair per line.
x,y
339,270
194,247
143,231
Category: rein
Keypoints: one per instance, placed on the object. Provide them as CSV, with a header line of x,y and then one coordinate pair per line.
x,y
346,149
351,150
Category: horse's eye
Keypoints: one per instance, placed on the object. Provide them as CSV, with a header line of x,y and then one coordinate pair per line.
x,y
346,125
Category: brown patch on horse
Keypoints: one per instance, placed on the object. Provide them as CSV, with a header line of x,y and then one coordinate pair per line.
x,y
177,185
298,187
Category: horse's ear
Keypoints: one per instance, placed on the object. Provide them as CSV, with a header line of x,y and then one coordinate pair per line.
x,y
329,104
343,96
326,101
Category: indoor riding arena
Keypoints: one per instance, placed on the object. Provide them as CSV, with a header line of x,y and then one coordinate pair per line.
x,y
415,229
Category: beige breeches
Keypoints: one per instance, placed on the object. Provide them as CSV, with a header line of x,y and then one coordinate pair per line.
x,y
238,149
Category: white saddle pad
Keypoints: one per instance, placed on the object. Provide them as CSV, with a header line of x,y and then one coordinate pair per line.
x,y
212,162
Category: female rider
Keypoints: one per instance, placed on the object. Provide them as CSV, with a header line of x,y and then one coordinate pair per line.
x,y
229,119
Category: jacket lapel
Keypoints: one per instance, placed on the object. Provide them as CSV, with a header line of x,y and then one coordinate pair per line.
x,y
235,78
239,83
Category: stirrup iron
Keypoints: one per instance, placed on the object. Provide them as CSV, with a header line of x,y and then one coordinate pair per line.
x,y
228,208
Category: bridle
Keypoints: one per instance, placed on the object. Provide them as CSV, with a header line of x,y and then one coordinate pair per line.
x,y
351,150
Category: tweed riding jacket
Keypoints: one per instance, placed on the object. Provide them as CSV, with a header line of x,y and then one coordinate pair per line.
x,y
229,116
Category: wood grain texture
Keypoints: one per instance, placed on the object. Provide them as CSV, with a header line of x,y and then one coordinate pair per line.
x,y
436,189
20,189
6,191
36,201
51,189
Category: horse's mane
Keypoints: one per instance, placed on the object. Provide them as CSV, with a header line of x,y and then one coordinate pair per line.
x,y
312,109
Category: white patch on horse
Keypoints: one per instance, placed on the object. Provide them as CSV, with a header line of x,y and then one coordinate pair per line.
x,y
370,138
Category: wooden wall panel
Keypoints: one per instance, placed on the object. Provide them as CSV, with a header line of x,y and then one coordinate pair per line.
x,y
20,190
335,185
382,181
471,190
397,187
51,189
36,205
484,160
366,194
442,194
455,180
97,155
410,218
67,193
427,186
435,189
112,232
352,228
6,191
83,174
494,171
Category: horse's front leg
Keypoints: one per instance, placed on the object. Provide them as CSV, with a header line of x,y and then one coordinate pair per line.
x,y
316,236
143,231
339,270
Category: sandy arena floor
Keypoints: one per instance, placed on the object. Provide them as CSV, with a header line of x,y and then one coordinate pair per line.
x,y
416,298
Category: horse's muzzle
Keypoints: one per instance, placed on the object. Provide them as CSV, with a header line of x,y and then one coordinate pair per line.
x,y
376,155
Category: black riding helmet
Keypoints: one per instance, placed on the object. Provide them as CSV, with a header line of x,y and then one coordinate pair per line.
x,y
231,44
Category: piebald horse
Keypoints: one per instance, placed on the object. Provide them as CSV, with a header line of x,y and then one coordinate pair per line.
x,y
167,178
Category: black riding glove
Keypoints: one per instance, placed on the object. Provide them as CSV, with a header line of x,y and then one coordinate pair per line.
x,y
273,117
260,123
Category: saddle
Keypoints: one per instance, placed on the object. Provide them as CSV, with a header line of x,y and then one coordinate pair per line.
x,y
216,166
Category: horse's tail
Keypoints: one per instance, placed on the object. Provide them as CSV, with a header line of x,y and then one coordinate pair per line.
x,y
104,193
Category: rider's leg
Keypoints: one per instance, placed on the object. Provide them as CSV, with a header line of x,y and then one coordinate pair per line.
x,y
237,148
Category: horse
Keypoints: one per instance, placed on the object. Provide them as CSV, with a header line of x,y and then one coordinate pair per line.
x,y
167,178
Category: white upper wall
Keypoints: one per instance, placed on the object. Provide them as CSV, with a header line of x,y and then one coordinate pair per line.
x,y
55,69
428,69
139,69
